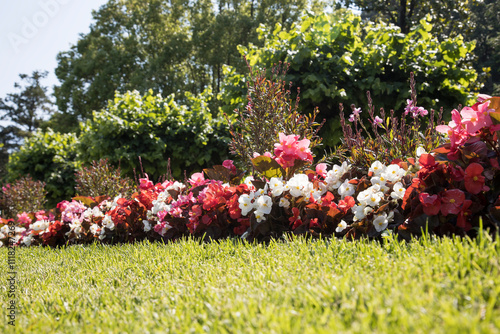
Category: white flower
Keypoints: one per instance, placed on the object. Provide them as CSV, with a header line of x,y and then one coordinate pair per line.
x,y
276,185
259,215
420,151
5,229
346,189
261,191
159,206
2,236
75,226
96,212
341,226
40,225
147,226
94,229
393,173
245,204
177,186
108,222
361,211
297,183
363,197
264,204
374,199
399,191
377,168
248,181
284,203
380,222
27,240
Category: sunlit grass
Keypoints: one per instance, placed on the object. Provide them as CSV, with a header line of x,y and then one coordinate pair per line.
x,y
297,286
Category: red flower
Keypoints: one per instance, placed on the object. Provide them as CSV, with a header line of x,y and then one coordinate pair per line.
x,y
314,223
233,207
462,216
244,225
346,204
427,161
451,201
295,221
431,204
474,181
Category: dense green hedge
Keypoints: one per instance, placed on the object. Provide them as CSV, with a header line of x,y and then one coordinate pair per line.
x,y
155,128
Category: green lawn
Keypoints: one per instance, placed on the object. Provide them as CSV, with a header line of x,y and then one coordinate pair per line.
x,y
298,286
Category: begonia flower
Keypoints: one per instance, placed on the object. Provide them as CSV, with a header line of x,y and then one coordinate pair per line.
x,y
398,191
380,222
197,179
346,189
451,200
474,180
341,226
145,183
431,203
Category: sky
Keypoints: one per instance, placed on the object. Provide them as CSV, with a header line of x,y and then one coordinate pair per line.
x,y
33,32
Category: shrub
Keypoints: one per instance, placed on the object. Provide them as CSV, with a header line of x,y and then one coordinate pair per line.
x,y
101,179
336,58
24,195
155,128
270,111
50,157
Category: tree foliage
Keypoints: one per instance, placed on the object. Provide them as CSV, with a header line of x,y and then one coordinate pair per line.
x,y
475,20
155,129
168,46
338,58
23,112
50,157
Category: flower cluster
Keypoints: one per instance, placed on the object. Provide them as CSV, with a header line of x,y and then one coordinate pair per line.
x,y
457,185
448,190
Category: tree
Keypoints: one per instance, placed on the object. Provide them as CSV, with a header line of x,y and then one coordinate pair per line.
x,y
477,21
486,34
23,113
167,46
448,17
338,58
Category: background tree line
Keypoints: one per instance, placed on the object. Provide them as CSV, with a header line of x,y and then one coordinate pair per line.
x,y
191,52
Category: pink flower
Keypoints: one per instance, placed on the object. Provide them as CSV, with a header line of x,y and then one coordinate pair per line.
x,y
197,179
377,121
355,114
229,165
321,169
303,151
482,97
23,219
473,120
290,149
451,201
145,183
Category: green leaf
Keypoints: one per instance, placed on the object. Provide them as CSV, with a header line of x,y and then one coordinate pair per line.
x,y
268,167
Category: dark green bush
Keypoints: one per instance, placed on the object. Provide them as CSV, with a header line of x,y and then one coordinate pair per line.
x,y
49,157
155,128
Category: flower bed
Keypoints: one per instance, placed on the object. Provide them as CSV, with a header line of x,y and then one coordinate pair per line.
x,y
449,190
